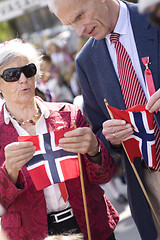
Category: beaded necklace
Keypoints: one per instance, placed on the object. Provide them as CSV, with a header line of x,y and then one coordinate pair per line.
x,y
35,117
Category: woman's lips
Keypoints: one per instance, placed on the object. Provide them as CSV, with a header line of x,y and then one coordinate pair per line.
x,y
25,89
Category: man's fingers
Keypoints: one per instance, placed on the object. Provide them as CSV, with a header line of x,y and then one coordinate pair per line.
x,y
154,102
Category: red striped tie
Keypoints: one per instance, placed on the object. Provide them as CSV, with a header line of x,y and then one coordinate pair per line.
x,y
130,86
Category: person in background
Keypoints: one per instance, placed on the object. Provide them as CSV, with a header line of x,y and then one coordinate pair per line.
x,y
113,25
54,82
60,58
32,214
41,89
73,81
152,7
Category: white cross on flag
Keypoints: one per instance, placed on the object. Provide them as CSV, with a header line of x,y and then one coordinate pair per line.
x,y
142,142
50,163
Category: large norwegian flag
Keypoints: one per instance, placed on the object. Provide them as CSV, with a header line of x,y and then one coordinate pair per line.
x,y
142,142
50,163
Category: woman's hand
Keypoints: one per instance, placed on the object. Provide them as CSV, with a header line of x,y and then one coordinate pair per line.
x,y
81,140
116,131
17,154
154,102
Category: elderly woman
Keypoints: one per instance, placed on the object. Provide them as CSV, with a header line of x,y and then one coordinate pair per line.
x,y
32,214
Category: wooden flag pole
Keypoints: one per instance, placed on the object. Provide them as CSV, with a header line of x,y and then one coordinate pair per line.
x,y
135,171
83,193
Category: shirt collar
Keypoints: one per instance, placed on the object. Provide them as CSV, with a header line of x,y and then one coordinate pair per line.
x,y
7,116
44,110
122,23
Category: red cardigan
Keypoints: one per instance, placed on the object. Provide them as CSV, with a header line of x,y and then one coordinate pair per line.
x,y
26,213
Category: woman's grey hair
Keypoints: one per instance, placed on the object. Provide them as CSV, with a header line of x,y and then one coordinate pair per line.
x,y
52,5
13,49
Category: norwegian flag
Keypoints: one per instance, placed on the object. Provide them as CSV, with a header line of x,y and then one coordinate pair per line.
x,y
50,163
142,142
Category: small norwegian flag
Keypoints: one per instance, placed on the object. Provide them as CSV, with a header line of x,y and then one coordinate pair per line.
x,y
50,163
142,142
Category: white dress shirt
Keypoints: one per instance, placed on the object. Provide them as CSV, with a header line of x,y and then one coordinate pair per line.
x,y
124,28
53,197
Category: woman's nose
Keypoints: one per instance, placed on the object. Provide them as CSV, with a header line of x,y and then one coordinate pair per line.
x,y
22,78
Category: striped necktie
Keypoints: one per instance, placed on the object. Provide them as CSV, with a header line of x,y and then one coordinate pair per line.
x,y
130,86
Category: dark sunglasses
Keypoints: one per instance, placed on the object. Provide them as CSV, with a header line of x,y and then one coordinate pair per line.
x,y
13,74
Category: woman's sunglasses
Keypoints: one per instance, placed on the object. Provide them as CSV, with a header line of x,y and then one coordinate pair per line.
x,y
13,74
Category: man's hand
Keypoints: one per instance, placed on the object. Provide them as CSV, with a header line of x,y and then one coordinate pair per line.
x,y
116,131
154,102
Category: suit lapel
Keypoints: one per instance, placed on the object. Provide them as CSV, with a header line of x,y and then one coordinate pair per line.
x,y
108,75
148,47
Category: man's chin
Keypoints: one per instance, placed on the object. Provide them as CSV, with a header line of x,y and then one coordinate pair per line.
x,y
99,37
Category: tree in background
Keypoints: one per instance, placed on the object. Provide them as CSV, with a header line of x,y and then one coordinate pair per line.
x,y
7,31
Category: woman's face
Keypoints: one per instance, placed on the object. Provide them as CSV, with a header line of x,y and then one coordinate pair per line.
x,y
19,92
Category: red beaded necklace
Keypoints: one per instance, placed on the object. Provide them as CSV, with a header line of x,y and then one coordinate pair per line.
x,y
22,122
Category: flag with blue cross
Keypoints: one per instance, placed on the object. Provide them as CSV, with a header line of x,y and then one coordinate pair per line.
x,y
142,142
50,163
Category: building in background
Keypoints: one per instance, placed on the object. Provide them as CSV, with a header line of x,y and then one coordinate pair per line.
x,y
30,19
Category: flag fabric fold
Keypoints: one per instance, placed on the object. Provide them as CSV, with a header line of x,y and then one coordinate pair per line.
x,y
142,142
50,163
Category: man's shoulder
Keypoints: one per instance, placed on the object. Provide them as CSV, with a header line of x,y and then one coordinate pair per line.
x,y
88,49
137,18
87,46
131,6
133,10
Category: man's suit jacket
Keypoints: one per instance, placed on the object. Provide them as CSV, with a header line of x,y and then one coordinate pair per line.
x,y
99,81
26,213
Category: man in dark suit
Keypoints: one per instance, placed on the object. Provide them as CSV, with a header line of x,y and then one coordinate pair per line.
x,y
99,79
